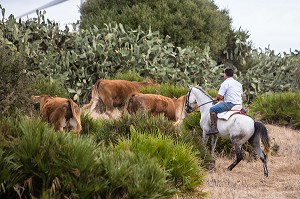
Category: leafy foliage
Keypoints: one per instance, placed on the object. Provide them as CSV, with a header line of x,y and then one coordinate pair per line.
x,y
109,131
15,82
282,108
187,22
178,158
270,72
166,89
40,162
133,175
50,87
80,57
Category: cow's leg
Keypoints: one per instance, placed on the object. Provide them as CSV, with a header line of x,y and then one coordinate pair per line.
x,y
58,118
60,124
94,103
108,102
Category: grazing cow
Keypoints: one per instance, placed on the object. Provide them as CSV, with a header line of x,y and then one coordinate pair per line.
x,y
172,108
61,112
113,94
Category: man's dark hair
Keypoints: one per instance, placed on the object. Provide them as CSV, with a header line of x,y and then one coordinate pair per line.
x,y
229,72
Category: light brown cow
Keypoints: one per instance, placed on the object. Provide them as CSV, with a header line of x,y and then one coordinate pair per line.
x,y
61,112
113,94
172,108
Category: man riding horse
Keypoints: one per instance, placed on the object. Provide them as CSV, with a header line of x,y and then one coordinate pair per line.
x,y
230,93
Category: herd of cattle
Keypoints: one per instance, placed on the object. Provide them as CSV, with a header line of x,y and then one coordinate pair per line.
x,y
115,95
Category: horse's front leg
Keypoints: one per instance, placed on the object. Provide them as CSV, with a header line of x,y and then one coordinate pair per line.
x,y
204,138
239,155
214,140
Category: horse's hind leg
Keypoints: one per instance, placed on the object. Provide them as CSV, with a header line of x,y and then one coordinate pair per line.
x,y
255,143
239,156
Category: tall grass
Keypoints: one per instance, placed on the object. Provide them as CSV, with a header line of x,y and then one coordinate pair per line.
x,y
133,175
44,160
108,131
281,108
178,158
167,89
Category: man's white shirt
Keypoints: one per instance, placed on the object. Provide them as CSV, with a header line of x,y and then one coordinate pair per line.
x,y
232,91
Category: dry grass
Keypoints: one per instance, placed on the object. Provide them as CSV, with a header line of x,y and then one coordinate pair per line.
x,y
247,180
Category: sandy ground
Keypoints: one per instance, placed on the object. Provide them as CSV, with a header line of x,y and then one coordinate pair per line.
x,y
247,180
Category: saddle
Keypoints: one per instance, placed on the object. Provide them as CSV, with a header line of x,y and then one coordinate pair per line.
x,y
237,109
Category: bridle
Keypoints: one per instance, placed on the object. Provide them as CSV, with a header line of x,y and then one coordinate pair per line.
x,y
190,109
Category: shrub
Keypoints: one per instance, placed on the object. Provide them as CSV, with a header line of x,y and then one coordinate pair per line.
x,y
133,175
130,76
15,83
188,22
49,86
167,89
192,133
43,160
282,108
177,157
108,131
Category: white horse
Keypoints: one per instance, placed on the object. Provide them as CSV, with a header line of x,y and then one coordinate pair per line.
x,y
238,128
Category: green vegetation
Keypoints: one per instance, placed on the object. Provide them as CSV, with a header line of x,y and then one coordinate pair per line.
x,y
80,58
282,108
136,156
35,160
15,81
184,21
178,158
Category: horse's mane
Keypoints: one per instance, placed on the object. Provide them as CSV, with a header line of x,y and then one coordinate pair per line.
x,y
203,91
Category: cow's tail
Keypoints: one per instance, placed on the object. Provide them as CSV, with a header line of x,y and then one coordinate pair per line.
x,y
94,94
76,115
261,129
130,104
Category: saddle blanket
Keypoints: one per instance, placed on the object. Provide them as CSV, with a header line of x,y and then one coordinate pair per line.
x,y
227,114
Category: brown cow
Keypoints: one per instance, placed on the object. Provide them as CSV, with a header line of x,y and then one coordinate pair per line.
x,y
172,108
61,112
113,94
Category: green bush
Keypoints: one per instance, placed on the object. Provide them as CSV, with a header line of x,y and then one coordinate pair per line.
x,y
192,133
133,175
167,89
188,22
129,75
281,108
108,131
45,86
44,160
43,163
15,83
178,158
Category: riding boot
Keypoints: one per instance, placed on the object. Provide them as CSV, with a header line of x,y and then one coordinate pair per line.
x,y
213,124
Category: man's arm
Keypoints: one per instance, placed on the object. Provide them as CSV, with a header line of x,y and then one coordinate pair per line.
x,y
218,98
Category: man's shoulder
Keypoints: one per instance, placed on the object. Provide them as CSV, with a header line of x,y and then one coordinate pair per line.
x,y
234,80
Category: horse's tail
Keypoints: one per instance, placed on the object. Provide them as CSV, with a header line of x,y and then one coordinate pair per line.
x,y
261,129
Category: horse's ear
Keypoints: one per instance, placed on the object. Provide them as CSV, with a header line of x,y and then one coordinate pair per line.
x,y
188,86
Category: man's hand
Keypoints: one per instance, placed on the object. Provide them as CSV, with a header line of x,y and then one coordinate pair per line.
x,y
218,98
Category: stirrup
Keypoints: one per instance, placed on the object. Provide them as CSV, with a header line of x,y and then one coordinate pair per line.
x,y
212,132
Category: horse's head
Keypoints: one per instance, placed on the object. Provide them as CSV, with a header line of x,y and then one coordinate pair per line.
x,y
190,101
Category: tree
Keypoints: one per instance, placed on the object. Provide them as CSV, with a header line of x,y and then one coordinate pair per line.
x,y
187,22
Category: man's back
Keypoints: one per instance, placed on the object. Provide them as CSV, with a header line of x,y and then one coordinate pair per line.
x,y
232,91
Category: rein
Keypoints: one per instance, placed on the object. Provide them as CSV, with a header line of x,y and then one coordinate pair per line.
x,y
205,103
188,96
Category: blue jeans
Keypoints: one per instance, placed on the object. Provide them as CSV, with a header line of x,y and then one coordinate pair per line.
x,y
221,107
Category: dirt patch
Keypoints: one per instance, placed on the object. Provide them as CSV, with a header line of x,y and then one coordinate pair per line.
x,y
247,179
